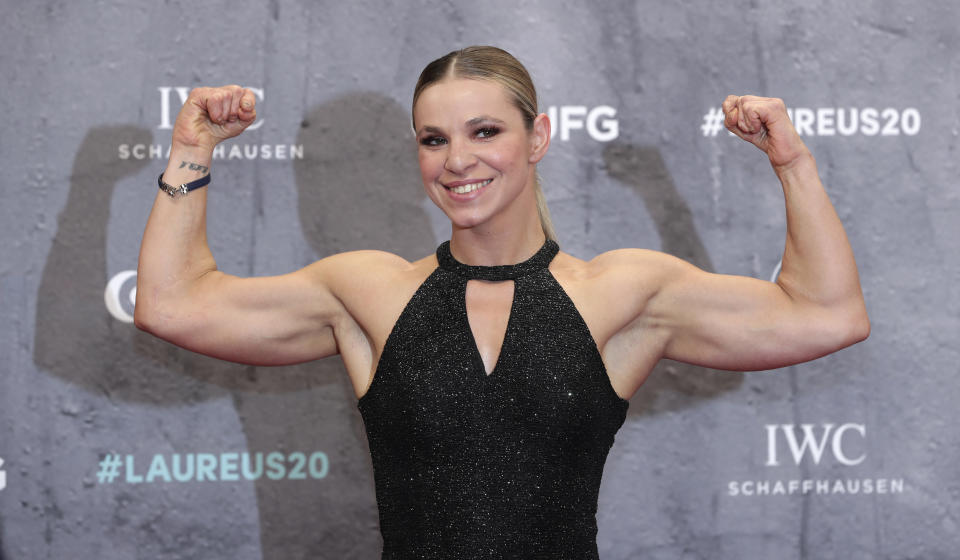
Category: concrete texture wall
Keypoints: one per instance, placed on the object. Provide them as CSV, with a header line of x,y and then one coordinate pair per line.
x,y
116,445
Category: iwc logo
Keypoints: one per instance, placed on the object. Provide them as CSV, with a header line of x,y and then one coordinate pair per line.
x,y
810,455
813,444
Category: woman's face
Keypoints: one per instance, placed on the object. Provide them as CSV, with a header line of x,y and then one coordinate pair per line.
x,y
476,156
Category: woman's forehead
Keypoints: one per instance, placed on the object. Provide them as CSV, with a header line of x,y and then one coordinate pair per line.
x,y
464,99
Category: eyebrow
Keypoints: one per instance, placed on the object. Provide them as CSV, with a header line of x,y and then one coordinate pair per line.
x,y
472,122
483,118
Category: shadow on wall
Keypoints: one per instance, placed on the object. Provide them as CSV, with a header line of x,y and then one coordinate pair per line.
x,y
672,385
358,188
78,340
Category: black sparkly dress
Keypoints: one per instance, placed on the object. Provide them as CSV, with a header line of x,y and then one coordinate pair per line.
x,y
507,465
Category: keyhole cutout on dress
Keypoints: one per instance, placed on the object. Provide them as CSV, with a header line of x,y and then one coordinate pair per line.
x,y
488,313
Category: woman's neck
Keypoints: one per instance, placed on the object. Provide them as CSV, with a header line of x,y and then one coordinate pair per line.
x,y
492,246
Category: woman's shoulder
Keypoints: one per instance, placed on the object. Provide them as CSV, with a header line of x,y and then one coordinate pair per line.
x,y
373,285
612,264
613,288
356,277
374,262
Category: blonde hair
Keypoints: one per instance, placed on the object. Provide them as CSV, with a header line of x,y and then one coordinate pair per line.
x,y
492,63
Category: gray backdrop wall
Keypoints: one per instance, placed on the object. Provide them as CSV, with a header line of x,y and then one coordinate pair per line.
x,y
115,445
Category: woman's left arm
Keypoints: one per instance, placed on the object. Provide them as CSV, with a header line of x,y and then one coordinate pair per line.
x,y
816,305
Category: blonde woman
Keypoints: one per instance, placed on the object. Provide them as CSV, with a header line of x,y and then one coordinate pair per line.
x,y
493,375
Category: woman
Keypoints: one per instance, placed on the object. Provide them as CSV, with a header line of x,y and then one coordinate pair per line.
x,y
493,375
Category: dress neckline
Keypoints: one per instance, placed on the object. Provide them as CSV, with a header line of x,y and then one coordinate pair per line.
x,y
539,261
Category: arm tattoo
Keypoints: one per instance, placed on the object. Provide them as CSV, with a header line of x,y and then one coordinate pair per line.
x,y
194,166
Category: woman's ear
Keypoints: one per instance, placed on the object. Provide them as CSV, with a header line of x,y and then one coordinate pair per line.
x,y
539,137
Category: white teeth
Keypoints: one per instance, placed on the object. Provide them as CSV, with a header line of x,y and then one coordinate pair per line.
x,y
464,189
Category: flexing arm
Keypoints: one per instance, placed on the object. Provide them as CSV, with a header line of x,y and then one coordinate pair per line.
x,y
737,323
183,298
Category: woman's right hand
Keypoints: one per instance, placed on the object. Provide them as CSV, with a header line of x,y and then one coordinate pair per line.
x,y
211,115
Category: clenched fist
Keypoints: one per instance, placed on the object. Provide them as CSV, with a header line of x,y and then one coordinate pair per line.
x,y
211,115
763,121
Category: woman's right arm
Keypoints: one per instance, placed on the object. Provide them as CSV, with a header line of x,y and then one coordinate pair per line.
x,y
184,299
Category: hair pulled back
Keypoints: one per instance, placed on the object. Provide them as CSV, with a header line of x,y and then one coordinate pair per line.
x,y
496,65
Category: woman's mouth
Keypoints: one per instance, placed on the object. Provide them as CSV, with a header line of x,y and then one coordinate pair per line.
x,y
469,187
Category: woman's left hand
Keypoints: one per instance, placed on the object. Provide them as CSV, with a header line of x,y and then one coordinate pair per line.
x,y
763,121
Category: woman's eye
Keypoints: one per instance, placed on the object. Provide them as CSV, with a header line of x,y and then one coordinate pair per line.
x,y
487,132
433,140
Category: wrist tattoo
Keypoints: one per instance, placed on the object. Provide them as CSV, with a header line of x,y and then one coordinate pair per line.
x,y
194,166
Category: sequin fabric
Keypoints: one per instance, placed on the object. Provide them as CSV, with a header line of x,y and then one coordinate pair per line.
x,y
505,465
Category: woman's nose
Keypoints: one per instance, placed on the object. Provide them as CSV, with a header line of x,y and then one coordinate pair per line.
x,y
460,157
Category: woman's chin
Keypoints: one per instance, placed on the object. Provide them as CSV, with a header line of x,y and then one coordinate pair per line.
x,y
465,222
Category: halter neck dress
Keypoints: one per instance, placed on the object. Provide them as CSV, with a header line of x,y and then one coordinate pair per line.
x,y
477,466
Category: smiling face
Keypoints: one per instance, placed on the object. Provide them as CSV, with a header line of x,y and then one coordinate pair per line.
x,y
477,156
